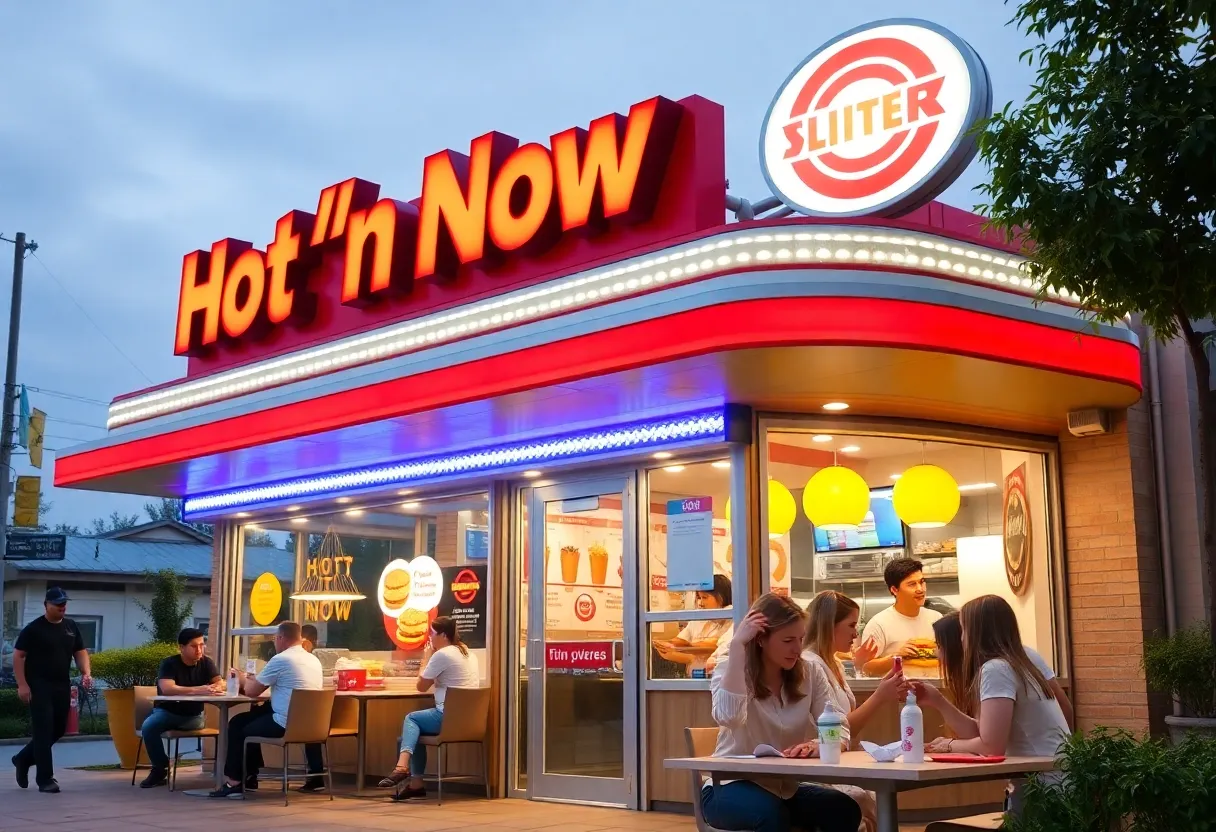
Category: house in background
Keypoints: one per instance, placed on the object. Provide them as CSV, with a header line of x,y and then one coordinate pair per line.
x,y
105,578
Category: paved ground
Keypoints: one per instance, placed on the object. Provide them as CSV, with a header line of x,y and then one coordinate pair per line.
x,y
67,754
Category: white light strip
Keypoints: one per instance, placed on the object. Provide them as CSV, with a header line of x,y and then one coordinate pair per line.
x,y
835,245
706,426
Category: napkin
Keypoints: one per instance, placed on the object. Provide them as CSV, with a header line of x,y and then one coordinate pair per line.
x,y
882,753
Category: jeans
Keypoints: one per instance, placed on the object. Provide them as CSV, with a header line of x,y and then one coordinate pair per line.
x,y
258,723
745,805
49,706
416,724
157,723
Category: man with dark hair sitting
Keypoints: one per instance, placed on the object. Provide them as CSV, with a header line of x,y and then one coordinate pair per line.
x,y
190,673
309,633
292,668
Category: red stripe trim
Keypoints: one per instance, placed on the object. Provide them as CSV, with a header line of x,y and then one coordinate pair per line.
x,y
739,325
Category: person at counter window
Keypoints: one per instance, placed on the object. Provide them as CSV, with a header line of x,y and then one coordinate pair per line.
x,y
1016,713
190,673
450,665
948,632
759,695
703,635
906,627
309,637
832,630
291,668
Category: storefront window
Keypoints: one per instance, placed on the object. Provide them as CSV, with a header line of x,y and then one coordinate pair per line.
x,y
998,541
689,545
412,560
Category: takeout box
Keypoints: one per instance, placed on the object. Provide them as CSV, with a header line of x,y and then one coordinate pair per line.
x,y
352,679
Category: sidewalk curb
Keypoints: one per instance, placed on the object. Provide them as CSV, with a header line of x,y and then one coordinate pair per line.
x,y
68,739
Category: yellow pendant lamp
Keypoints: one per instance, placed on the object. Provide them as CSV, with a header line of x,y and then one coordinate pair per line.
x,y
926,497
836,499
781,509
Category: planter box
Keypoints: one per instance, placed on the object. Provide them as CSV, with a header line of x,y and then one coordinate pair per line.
x,y
120,708
1181,726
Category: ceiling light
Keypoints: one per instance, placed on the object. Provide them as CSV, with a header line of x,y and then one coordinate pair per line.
x,y
355,512
674,469
242,514
298,520
977,486
293,508
896,476
412,504
721,463
850,449
821,437
663,455
405,492
531,474
343,500
835,406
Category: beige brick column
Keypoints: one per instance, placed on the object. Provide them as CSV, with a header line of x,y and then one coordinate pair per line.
x,y
1113,572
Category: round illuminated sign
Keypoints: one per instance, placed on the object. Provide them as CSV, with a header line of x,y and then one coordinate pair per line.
x,y
875,122
265,599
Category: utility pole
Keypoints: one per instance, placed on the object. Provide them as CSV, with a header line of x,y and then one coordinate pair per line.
x,y
20,247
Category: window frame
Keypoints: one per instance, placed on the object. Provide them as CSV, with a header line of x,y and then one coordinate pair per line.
x,y
98,622
924,430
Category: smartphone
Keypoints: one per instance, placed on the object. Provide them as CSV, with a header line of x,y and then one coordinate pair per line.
x,y
898,666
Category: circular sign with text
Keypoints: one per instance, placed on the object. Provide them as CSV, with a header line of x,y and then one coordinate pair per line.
x,y
876,121
265,599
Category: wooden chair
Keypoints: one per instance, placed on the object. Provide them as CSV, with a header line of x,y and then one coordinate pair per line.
x,y
466,716
974,823
143,709
701,742
345,719
308,721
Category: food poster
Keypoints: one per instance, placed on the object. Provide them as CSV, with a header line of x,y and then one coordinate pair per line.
x,y
409,593
464,601
583,574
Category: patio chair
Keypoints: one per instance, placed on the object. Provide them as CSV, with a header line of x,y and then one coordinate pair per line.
x,y
701,742
308,722
988,821
466,716
143,708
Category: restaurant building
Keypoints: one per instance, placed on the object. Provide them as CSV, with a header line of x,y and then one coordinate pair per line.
x,y
557,393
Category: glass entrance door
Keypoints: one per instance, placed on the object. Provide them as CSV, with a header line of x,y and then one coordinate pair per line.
x,y
581,698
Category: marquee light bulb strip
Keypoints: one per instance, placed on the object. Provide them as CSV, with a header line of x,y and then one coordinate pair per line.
x,y
732,251
706,426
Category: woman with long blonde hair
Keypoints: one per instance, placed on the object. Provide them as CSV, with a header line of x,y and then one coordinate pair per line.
x,y
1016,712
831,630
760,696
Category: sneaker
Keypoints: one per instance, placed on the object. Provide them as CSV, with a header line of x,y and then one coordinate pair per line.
x,y
49,787
251,783
228,791
410,794
156,777
313,785
23,774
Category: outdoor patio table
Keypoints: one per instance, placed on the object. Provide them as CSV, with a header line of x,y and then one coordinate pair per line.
x,y
223,703
858,768
363,697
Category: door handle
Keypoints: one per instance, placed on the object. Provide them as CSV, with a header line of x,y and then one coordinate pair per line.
x,y
534,649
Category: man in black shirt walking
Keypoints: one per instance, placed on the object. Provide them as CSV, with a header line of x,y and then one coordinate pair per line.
x,y
42,663
191,673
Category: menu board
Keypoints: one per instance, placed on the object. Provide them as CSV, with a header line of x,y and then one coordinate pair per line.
x,y
464,601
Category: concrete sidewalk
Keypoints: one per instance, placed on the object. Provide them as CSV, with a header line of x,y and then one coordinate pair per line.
x,y
67,755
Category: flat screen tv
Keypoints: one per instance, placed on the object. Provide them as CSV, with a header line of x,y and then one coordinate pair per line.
x,y
881,529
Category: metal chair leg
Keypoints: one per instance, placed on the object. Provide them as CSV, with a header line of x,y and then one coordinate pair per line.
x,y
139,749
244,766
440,774
175,746
485,768
329,773
286,757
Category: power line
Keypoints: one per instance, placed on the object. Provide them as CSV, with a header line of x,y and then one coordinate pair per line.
x,y
72,397
77,424
89,318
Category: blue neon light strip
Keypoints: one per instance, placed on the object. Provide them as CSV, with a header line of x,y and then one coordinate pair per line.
x,y
704,425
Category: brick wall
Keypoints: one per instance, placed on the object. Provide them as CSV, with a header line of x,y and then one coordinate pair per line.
x,y
1113,572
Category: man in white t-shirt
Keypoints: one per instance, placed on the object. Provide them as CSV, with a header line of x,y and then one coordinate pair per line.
x,y
903,622
291,668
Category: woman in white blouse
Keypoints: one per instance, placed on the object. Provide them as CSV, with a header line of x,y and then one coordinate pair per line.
x,y
714,634
832,629
760,695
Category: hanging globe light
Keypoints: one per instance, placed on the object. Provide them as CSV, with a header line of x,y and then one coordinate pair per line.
x,y
782,510
836,499
926,497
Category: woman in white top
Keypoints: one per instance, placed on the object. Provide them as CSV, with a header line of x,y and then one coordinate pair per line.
x,y
760,695
832,629
712,635
1016,713
450,666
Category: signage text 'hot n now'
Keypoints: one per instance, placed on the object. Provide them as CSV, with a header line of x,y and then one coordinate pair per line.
x,y
503,199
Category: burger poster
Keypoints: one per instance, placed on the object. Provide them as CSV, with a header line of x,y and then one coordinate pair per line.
x,y
1016,531
409,593
464,601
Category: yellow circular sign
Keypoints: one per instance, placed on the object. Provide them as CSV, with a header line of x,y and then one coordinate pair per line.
x,y
265,599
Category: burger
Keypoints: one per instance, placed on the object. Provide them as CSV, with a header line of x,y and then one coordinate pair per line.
x,y
375,673
924,653
412,627
396,588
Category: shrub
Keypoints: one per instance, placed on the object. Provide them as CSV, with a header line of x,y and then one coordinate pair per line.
x,y
1117,782
171,607
1184,665
126,667
11,705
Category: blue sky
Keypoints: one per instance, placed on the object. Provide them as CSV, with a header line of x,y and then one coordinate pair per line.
x,y
133,132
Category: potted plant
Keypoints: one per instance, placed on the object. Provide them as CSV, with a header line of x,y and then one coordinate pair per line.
x,y
120,670
1184,666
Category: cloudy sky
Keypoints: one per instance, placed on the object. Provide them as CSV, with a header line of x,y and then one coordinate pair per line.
x,y
134,131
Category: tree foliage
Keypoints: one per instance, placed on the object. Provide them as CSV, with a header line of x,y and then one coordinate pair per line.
x,y
1110,168
116,522
169,609
169,508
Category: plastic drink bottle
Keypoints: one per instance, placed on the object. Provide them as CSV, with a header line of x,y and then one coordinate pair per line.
x,y
233,683
912,731
831,733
